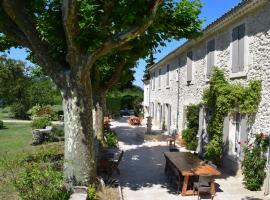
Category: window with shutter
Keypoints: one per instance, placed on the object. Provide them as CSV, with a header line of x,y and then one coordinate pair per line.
x,y
238,50
189,66
210,57
168,75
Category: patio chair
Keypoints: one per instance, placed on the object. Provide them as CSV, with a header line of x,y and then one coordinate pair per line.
x,y
203,185
115,163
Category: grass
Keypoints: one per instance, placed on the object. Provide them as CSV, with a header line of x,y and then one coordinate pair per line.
x,y
15,141
4,114
15,138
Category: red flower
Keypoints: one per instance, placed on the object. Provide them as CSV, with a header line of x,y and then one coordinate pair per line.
x,y
239,142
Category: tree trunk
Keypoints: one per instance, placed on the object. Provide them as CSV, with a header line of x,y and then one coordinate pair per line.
x,y
79,165
98,115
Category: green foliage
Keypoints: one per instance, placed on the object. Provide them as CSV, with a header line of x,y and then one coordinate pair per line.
x,y
57,132
41,122
21,90
253,165
190,133
91,193
41,111
1,124
111,139
113,103
40,182
222,98
36,175
19,110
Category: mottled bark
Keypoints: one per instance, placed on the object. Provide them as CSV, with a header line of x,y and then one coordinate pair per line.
x,y
79,166
99,103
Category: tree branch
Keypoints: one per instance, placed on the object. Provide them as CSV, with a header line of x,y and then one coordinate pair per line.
x,y
70,23
13,33
16,11
107,7
116,74
124,37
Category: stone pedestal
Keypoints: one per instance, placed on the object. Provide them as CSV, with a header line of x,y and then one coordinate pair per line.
x,y
149,125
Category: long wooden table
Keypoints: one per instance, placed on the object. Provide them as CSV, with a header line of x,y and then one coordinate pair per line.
x,y
190,165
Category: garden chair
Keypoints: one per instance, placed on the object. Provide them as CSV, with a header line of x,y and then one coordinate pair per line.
x,y
115,163
203,185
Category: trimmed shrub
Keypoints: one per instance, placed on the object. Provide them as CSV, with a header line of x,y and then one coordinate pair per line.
x,y
41,123
111,139
1,124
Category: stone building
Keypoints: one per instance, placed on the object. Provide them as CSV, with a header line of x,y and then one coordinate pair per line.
x,y
239,43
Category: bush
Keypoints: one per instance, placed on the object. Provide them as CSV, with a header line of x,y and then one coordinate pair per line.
x,y
1,124
254,163
57,132
189,136
41,111
37,175
19,110
111,139
91,193
190,133
37,182
40,123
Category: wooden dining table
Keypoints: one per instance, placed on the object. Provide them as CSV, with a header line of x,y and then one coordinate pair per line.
x,y
188,165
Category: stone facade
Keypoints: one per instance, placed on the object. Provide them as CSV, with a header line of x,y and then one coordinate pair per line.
x,y
179,93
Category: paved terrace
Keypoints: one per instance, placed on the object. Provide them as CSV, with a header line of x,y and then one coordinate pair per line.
x,y
142,171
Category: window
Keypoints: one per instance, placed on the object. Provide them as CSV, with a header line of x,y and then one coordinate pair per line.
x,y
210,57
168,75
159,78
238,50
189,66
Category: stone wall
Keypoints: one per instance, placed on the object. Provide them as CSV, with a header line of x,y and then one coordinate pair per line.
x,y
257,67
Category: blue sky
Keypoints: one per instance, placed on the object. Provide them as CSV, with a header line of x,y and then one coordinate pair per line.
x,y
212,9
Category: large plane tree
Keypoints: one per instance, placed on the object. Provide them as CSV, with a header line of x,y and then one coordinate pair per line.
x,y
68,37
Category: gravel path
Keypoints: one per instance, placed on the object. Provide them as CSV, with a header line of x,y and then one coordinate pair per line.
x,y
142,171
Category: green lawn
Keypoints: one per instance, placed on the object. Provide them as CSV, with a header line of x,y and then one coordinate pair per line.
x,y
15,138
3,114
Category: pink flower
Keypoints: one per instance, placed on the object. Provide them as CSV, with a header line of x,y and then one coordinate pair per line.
x,y
239,142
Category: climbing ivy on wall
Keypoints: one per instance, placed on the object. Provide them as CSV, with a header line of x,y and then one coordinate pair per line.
x,y
222,98
190,133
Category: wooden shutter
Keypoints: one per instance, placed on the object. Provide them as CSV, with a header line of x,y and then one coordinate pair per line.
x,y
243,134
189,66
241,45
235,50
226,129
210,56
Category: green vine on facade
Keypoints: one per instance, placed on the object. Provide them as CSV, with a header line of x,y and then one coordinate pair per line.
x,y
190,133
222,98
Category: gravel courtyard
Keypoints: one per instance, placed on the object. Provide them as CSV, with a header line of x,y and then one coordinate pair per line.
x,y
142,171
